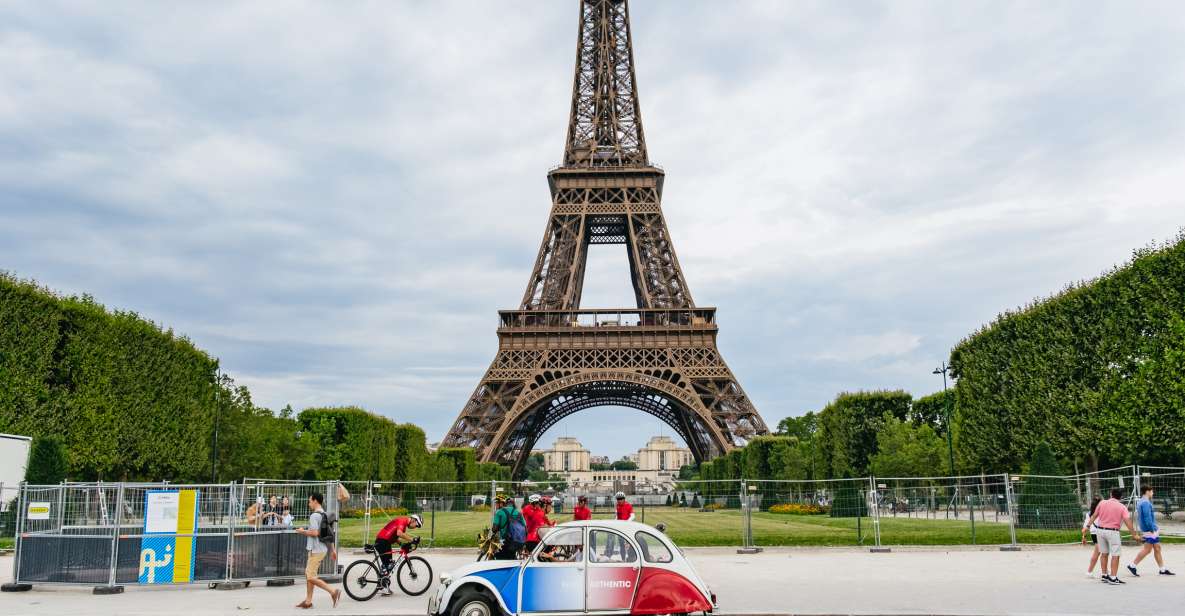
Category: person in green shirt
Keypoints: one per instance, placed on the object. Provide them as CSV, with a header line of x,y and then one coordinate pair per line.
x,y
509,525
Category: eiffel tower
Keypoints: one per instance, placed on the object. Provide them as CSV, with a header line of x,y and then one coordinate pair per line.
x,y
556,358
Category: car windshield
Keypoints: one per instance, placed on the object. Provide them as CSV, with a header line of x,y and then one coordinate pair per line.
x,y
562,546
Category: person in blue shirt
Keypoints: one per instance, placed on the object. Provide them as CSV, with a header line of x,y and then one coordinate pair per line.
x,y
1146,516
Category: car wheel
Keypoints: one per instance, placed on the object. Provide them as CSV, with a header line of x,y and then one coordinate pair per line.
x,y
473,602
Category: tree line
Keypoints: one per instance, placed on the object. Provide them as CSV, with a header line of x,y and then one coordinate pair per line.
x,y
124,399
884,433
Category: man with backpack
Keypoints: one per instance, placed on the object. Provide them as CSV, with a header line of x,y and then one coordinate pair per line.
x,y
319,542
509,525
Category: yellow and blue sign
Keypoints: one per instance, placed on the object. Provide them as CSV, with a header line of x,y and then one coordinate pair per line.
x,y
167,549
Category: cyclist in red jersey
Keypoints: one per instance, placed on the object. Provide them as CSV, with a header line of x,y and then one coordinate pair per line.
x,y
625,511
533,517
395,530
581,510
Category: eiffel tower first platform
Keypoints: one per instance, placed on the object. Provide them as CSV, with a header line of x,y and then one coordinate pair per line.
x,y
555,358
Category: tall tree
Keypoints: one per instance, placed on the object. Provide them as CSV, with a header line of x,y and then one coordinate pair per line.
x,y
47,461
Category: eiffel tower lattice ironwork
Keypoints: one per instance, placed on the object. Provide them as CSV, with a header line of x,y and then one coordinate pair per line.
x,y
554,358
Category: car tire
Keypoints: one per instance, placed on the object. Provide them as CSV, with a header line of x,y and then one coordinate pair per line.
x,y
470,601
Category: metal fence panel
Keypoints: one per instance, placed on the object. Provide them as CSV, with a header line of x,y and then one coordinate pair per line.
x,y
264,516
1168,501
107,534
811,512
942,510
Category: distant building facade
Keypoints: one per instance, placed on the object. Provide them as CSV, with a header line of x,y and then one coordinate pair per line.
x,y
658,466
566,455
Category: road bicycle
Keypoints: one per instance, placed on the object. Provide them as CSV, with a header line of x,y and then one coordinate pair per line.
x,y
364,578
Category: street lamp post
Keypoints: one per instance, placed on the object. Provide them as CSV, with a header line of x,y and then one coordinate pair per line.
x,y
950,447
217,421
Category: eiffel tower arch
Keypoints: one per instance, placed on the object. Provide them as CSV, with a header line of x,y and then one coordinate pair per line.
x,y
554,357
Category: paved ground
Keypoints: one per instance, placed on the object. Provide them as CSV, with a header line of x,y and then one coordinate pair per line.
x,y
779,581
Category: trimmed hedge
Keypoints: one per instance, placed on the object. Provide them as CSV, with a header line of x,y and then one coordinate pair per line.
x,y
1095,371
128,398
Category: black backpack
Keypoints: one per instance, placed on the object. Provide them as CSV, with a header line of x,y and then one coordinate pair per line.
x,y
327,532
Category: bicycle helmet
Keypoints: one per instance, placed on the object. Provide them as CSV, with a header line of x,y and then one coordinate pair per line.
x,y
619,495
415,517
534,498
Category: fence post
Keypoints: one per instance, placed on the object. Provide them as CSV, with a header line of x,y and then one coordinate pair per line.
x,y
115,532
1012,547
873,501
747,521
231,501
21,512
493,497
366,509
971,510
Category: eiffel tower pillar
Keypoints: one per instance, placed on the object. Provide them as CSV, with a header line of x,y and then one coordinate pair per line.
x,y
555,358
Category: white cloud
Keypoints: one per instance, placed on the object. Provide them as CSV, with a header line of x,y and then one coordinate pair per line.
x,y
853,348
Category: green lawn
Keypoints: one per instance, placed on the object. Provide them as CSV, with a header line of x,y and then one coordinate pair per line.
x,y
6,543
724,528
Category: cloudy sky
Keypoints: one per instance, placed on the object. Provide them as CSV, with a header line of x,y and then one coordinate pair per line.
x,y
335,198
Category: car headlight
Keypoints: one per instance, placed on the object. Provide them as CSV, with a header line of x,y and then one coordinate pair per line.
x,y
445,579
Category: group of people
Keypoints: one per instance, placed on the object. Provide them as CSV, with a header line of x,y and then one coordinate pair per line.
x,y
275,512
519,529
1103,526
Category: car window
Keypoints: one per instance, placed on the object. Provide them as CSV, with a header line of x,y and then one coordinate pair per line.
x,y
606,546
562,546
653,549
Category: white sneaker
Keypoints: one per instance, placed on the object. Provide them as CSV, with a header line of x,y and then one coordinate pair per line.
x,y
1090,575
386,592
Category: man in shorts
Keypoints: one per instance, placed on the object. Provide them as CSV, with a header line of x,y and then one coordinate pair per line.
x,y
317,550
1109,515
1151,533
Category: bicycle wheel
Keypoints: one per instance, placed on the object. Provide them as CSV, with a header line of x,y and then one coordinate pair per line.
x,y
361,580
414,576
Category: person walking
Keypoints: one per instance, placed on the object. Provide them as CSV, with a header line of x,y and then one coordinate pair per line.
x,y
508,523
1108,517
317,550
1146,516
1094,539
581,510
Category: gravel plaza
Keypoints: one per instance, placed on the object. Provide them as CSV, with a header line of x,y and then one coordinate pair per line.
x,y
963,581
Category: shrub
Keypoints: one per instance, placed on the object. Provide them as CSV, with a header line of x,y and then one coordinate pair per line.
x,y
479,507
713,507
799,509
391,512
1046,500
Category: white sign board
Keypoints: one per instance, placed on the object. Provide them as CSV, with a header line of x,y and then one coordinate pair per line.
x,y
37,511
160,512
14,455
